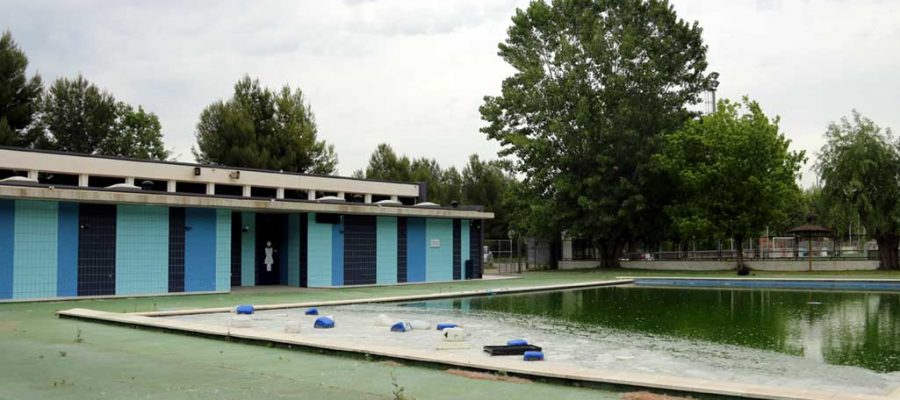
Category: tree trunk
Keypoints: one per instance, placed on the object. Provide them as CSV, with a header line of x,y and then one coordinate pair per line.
x,y
609,253
739,248
887,251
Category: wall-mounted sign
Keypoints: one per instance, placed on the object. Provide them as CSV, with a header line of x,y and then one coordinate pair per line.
x,y
435,242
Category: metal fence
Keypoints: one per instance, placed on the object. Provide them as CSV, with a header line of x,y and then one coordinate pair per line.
x,y
766,248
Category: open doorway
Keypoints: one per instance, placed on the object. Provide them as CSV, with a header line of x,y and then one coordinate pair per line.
x,y
271,236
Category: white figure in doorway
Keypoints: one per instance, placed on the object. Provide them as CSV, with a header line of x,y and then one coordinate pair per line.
x,y
269,261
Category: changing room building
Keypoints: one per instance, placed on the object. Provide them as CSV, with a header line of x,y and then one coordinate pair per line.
x,y
74,225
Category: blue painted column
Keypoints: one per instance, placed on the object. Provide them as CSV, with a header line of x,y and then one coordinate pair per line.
x,y
415,250
7,244
67,245
200,250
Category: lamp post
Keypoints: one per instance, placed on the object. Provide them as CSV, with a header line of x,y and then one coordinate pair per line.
x,y
713,85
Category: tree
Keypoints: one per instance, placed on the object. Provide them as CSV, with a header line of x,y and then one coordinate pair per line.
x,y
596,86
384,164
859,167
734,172
262,128
81,118
137,135
19,95
486,183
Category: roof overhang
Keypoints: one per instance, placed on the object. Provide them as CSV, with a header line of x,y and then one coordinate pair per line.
x,y
93,195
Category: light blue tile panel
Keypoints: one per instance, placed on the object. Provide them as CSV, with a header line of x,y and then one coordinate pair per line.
x,y
415,250
248,249
67,255
318,254
337,254
34,253
7,245
386,250
199,250
293,250
142,249
223,250
463,247
439,256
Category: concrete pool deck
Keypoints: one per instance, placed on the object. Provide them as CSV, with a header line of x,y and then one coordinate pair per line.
x,y
546,370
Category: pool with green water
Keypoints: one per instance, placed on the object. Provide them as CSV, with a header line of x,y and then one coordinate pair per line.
x,y
840,328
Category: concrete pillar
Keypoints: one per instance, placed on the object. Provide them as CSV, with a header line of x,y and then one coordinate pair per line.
x,y
129,180
210,188
171,186
33,174
341,195
246,191
394,198
83,180
368,199
279,193
310,194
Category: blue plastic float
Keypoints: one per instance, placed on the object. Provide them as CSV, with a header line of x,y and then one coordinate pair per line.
x,y
517,342
312,311
245,309
534,356
323,323
445,325
401,327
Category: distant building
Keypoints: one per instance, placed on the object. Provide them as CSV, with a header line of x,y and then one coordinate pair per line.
x,y
75,225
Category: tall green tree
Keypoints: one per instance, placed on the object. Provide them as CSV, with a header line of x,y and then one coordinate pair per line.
x,y
137,134
859,168
486,183
597,84
385,164
80,117
735,174
19,96
263,128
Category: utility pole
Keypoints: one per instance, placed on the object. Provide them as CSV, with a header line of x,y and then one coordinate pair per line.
x,y
713,85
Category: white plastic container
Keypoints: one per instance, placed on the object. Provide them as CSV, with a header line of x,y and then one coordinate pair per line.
x,y
455,335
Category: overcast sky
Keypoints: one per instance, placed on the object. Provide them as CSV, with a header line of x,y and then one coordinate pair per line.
x,y
413,73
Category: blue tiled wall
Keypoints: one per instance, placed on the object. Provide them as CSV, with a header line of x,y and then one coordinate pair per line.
x,y
248,249
200,250
67,256
439,255
386,250
142,249
7,246
319,254
223,250
415,250
337,254
35,249
293,247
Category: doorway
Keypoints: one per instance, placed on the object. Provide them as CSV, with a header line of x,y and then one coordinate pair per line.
x,y
271,236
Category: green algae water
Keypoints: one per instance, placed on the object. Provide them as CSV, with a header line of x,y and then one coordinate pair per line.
x,y
842,328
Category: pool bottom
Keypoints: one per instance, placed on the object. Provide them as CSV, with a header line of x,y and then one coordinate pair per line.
x,y
356,333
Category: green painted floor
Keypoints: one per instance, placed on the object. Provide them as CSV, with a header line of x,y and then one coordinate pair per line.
x,y
43,357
